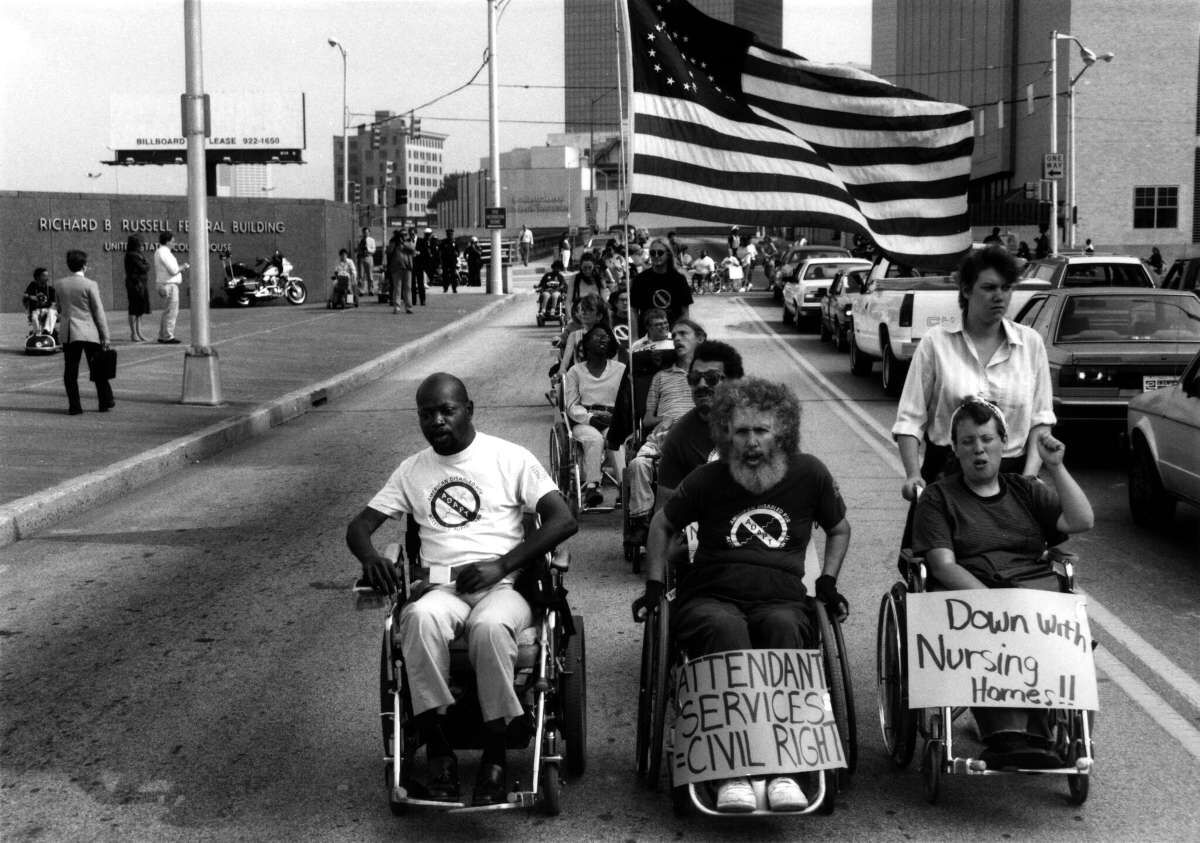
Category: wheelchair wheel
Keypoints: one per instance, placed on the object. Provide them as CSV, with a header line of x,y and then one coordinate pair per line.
x,y
573,683
841,694
933,759
1077,784
550,786
390,688
652,696
827,804
897,722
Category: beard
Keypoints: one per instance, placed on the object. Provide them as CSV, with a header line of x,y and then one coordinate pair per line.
x,y
762,477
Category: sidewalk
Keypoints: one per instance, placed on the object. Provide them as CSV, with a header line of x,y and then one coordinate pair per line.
x,y
276,361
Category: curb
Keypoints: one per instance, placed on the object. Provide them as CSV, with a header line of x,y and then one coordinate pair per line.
x,y
31,513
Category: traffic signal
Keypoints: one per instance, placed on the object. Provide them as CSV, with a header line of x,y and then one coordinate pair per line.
x,y
401,196
356,191
389,167
374,137
414,127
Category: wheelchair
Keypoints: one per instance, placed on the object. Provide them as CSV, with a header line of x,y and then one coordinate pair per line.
x,y
627,431
557,314
657,707
549,679
901,725
566,463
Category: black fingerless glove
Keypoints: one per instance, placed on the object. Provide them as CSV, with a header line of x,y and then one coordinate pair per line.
x,y
650,598
828,594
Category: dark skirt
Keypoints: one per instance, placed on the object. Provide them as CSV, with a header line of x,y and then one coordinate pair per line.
x,y
139,297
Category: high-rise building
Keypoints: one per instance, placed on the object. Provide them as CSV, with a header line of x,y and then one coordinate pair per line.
x,y
385,156
592,50
1135,166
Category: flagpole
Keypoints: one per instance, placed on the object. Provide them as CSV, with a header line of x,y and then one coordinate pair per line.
x,y
626,170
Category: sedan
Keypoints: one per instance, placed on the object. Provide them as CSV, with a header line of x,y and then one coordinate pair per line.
x,y
796,255
1164,435
836,307
1107,345
803,292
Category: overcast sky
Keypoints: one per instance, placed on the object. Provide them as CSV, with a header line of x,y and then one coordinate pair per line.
x,y
62,61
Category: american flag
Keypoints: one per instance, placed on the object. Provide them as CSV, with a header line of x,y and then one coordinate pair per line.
x,y
727,130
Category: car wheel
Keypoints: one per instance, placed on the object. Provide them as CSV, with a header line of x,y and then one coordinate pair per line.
x,y
824,333
892,371
860,364
787,317
1149,503
840,341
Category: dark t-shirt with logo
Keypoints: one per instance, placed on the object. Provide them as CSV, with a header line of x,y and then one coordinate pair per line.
x,y
751,546
688,445
668,290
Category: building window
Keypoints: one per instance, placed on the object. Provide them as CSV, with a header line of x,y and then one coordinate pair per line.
x,y
1155,207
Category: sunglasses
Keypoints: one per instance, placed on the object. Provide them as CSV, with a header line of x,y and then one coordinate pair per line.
x,y
709,378
656,252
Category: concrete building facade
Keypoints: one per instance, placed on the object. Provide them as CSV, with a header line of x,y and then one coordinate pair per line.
x,y
1136,117
416,164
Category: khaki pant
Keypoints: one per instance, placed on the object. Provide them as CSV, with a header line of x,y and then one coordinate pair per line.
x,y
491,621
170,294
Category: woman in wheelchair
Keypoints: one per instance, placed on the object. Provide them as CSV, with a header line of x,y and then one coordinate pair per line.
x,y
589,394
755,509
981,528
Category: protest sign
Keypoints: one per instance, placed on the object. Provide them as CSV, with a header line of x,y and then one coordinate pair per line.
x,y
753,713
1000,648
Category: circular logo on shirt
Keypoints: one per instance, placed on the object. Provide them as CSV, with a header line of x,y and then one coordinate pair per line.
x,y
661,298
454,503
766,525
621,332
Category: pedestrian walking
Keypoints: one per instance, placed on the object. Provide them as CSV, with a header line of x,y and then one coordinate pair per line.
x,y
525,244
400,253
448,255
137,277
424,266
168,276
474,263
564,250
366,255
1155,260
84,332
1041,245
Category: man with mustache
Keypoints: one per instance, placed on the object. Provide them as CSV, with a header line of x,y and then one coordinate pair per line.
x,y
755,509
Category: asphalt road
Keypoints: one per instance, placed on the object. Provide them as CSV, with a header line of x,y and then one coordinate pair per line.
x,y
187,664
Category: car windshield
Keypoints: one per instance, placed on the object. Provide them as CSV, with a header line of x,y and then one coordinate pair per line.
x,y
1130,318
1107,275
801,255
825,270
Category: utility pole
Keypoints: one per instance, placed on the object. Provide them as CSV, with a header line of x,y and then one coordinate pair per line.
x,y
201,372
495,282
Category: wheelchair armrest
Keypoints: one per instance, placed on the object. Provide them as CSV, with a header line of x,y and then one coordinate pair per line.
x,y
914,571
1063,563
560,559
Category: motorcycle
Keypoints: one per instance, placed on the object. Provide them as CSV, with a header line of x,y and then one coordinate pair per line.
x,y
268,279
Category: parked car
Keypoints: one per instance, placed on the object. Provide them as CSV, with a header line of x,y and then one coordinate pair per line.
x,y
796,255
1080,270
836,306
803,292
1164,441
1184,274
1108,345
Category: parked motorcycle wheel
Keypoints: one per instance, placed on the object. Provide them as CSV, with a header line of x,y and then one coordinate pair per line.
x,y
241,301
296,292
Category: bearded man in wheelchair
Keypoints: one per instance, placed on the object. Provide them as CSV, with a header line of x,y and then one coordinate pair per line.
x,y
980,528
755,509
469,493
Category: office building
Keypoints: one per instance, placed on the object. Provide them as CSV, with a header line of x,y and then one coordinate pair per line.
x,y
389,154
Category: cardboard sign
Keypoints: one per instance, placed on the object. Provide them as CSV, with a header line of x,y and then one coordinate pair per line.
x,y
753,713
1000,648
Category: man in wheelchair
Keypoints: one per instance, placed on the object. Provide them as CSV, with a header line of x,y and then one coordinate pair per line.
x,y
755,509
468,493
979,528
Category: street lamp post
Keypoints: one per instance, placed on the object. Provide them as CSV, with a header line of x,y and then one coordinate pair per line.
x,y
1089,58
592,145
345,127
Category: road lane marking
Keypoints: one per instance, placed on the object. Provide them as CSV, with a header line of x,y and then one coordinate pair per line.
x,y
1150,656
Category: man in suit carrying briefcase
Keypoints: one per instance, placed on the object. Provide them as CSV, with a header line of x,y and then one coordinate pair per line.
x,y
84,330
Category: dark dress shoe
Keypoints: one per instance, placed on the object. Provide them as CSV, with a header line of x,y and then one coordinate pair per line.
x,y
75,411
104,408
491,785
443,779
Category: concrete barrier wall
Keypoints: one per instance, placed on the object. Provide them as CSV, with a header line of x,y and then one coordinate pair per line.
x,y
37,229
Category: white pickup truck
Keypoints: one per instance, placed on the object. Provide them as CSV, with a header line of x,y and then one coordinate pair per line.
x,y
896,309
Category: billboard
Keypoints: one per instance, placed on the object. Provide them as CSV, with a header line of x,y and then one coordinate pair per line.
x,y
244,126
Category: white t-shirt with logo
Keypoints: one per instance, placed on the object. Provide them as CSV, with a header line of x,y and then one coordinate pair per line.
x,y
469,505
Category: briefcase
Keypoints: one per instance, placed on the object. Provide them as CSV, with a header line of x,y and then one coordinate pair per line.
x,y
103,365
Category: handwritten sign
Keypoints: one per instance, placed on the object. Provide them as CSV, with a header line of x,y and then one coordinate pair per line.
x,y
1000,648
753,713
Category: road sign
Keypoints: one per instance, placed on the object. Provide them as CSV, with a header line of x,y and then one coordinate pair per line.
x,y
1052,165
494,218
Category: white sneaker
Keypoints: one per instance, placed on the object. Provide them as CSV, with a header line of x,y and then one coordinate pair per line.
x,y
736,796
783,794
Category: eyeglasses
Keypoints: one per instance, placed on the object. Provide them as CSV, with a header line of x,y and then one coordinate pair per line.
x,y
709,378
656,252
